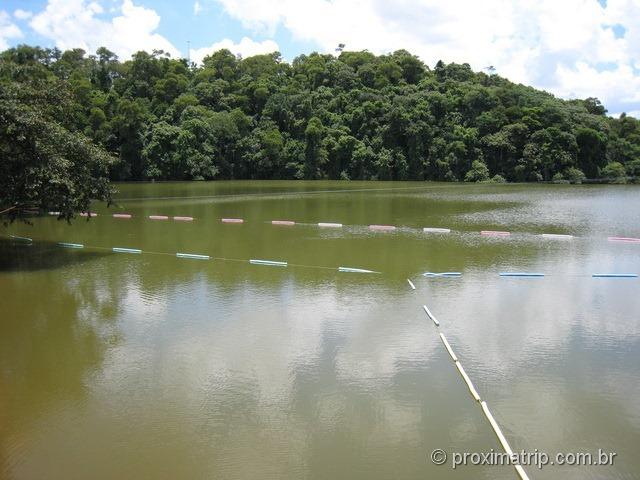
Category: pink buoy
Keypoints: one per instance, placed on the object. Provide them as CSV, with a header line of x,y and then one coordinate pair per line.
x,y
282,222
494,233
88,214
121,215
232,220
386,228
158,217
183,219
624,239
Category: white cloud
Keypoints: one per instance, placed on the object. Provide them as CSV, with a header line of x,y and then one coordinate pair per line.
x,y
245,48
8,30
22,14
197,8
77,24
583,80
545,43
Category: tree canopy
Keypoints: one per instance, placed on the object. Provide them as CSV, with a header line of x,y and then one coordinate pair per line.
x,y
355,116
46,164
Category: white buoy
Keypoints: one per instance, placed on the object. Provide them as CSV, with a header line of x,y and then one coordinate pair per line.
x,y
521,473
232,220
330,225
430,315
436,230
283,222
158,217
494,233
183,219
268,262
496,429
70,245
426,309
442,274
57,214
193,256
413,287
126,250
557,236
121,215
354,270
21,239
88,214
472,389
448,347
383,228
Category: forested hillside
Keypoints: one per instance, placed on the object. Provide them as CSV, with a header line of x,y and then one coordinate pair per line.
x,y
354,116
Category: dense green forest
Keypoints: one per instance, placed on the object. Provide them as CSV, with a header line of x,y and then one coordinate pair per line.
x,y
352,116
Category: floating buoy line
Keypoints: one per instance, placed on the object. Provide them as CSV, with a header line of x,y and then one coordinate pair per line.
x,y
344,269
196,256
495,234
193,255
476,396
530,275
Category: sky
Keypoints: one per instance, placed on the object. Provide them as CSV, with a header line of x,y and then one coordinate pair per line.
x,y
572,48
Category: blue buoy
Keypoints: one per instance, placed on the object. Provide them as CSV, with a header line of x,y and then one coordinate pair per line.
x,y
615,275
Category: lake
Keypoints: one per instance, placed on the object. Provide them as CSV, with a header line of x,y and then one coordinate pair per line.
x,y
120,365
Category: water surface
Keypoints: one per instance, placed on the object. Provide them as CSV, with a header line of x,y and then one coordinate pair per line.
x,y
149,366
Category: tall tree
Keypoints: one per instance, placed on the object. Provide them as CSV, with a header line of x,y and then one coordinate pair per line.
x,y
45,166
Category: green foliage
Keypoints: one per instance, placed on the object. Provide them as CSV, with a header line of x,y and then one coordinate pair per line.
x,y
633,168
46,165
315,155
478,173
591,150
356,116
574,175
614,172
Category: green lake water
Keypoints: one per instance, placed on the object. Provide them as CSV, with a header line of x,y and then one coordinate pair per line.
x,y
148,366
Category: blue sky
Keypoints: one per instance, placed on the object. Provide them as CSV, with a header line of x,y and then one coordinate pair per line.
x,y
573,48
182,23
